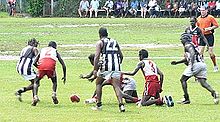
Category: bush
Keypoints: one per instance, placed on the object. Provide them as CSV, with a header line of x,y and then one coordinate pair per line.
x,y
35,7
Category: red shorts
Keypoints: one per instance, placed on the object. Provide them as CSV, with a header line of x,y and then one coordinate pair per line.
x,y
49,73
152,88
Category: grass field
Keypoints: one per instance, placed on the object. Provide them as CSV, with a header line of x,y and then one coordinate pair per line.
x,y
68,32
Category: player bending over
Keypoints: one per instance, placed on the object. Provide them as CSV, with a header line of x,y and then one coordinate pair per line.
x,y
46,64
128,86
24,66
196,67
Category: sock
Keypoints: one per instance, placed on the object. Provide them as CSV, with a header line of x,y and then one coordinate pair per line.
x,y
213,60
21,90
186,96
120,104
99,104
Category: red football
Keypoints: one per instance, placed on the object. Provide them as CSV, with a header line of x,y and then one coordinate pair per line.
x,y
74,98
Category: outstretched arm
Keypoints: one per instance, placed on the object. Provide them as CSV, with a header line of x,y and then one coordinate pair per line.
x,y
63,66
140,65
178,62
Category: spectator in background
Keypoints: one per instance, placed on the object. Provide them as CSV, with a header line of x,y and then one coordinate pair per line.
x,y
94,5
125,7
118,8
12,6
83,7
108,7
217,11
182,8
152,4
175,8
143,5
168,7
134,7
211,6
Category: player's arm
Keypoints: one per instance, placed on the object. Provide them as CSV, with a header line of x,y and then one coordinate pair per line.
x,y
99,45
86,76
63,66
161,77
179,62
214,25
120,54
35,63
140,65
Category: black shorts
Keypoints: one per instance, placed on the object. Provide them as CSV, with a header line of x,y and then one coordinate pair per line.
x,y
132,93
210,39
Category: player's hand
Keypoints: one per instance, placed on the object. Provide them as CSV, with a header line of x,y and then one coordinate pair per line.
x,y
91,79
208,29
173,63
64,80
207,49
81,76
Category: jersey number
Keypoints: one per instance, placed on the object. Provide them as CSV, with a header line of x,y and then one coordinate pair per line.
x,y
152,66
111,46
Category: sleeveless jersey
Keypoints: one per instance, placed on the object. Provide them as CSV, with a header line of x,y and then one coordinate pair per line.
x,y
196,33
110,58
24,65
150,71
197,56
48,58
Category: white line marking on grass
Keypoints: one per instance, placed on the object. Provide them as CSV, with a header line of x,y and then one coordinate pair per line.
x,y
76,26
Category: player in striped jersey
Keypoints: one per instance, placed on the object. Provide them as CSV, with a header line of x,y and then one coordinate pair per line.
x,y
153,84
110,55
24,66
196,67
46,64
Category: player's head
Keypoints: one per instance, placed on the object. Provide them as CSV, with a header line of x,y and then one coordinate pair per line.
x,y
143,54
193,21
103,32
185,38
52,44
33,42
203,10
91,58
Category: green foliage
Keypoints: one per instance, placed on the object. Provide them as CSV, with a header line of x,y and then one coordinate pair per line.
x,y
66,8
36,7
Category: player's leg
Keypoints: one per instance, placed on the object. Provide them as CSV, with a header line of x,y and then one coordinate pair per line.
x,y
24,89
99,81
130,96
209,88
35,91
183,81
54,93
117,88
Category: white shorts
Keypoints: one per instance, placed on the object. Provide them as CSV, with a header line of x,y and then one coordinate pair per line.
x,y
29,77
107,75
199,70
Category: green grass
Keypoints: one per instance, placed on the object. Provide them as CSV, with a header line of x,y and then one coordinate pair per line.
x,y
15,32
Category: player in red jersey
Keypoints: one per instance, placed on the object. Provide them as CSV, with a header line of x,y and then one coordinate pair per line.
x,y
153,85
46,64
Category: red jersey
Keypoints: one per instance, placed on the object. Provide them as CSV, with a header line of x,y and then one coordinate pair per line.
x,y
48,58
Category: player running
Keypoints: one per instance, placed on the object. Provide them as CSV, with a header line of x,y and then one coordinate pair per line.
x,y
24,66
196,67
46,64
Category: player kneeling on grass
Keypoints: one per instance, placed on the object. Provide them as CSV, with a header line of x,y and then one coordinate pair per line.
x,y
153,86
24,66
46,64
196,67
128,86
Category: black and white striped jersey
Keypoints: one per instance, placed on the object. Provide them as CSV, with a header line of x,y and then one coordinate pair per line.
x,y
24,65
110,58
